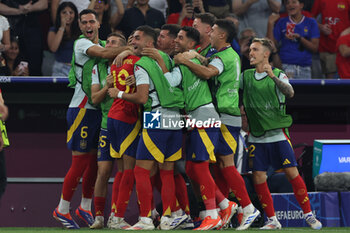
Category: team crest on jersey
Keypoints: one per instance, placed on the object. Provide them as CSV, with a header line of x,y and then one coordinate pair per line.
x,y
128,61
341,6
83,144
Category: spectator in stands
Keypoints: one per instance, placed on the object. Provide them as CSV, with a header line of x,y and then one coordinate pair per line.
x,y
4,36
219,8
140,14
161,5
245,39
297,37
343,54
232,17
15,64
335,18
61,38
186,16
255,13
24,23
103,11
80,5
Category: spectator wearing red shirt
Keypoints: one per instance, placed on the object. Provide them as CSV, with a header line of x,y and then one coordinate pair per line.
x,y
343,54
186,16
335,18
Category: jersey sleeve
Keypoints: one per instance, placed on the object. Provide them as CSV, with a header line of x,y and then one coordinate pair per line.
x,y
217,63
174,77
141,76
94,76
83,45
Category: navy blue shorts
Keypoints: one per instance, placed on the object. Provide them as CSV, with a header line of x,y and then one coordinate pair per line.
x,y
160,144
228,138
201,144
124,137
83,129
103,153
276,154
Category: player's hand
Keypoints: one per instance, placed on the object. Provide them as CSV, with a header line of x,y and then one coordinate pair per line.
x,y
325,29
190,54
268,69
113,92
179,58
130,80
110,80
118,61
152,53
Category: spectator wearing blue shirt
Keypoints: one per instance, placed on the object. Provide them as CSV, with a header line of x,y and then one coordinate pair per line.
x,y
297,37
61,38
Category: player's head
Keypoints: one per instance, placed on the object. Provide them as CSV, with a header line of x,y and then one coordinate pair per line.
x,y
203,23
143,37
166,38
260,50
142,2
222,31
89,24
187,38
115,39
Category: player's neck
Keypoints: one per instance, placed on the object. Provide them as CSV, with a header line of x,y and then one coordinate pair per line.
x,y
260,66
222,45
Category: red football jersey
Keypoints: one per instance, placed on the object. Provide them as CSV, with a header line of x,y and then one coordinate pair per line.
x,y
123,110
336,14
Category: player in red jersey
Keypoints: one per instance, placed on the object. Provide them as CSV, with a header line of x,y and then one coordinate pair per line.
x,y
123,129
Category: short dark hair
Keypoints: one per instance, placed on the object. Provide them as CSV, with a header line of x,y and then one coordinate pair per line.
x,y
192,33
207,18
119,35
172,28
88,11
149,31
229,27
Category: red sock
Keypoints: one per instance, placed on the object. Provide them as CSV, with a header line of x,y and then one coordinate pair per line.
x,y
300,193
237,185
168,190
127,182
181,194
156,182
99,203
76,170
115,190
89,177
144,190
265,198
219,197
201,174
220,180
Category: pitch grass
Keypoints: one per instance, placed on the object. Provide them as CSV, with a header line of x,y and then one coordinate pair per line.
x,y
85,230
